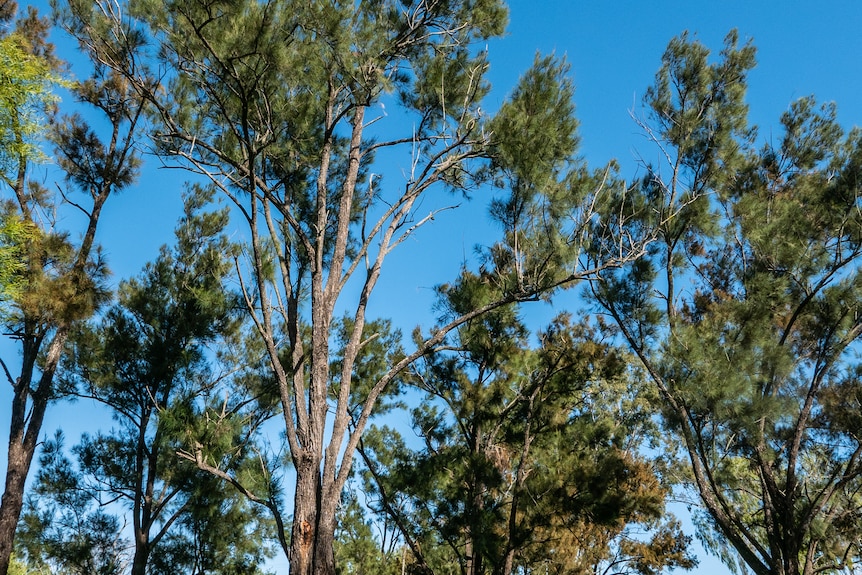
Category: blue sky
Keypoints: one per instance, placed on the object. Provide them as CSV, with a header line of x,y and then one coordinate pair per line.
x,y
614,49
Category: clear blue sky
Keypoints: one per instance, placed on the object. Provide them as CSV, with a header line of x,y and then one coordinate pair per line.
x,y
614,48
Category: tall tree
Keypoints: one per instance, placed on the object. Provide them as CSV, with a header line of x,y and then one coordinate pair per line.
x,y
746,313
153,360
60,280
283,105
529,458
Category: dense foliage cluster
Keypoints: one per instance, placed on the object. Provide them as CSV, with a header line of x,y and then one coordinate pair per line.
x,y
258,409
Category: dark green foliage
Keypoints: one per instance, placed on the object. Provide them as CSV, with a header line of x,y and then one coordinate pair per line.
x,y
63,528
382,347
149,361
541,111
357,549
550,194
522,448
81,545
745,313
219,532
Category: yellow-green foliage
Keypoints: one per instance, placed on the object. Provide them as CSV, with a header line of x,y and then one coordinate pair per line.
x,y
16,567
13,233
26,83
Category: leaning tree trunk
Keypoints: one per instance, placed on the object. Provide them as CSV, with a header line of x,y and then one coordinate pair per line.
x,y
13,498
24,431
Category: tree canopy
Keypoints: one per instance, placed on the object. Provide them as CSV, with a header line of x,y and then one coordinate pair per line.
x,y
757,361
710,351
296,154
530,459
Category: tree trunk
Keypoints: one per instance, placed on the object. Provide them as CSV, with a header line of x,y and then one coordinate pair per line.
x,y
313,531
13,500
22,446
305,533
324,553
23,435
140,559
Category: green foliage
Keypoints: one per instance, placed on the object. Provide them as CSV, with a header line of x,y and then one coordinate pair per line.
x,y
533,147
541,112
16,567
35,263
745,312
14,234
59,282
699,109
26,83
219,533
380,349
522,448
63,528
148,361
55,288
357,550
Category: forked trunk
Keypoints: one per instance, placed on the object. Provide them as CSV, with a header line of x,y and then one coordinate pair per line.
x,y
313,531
